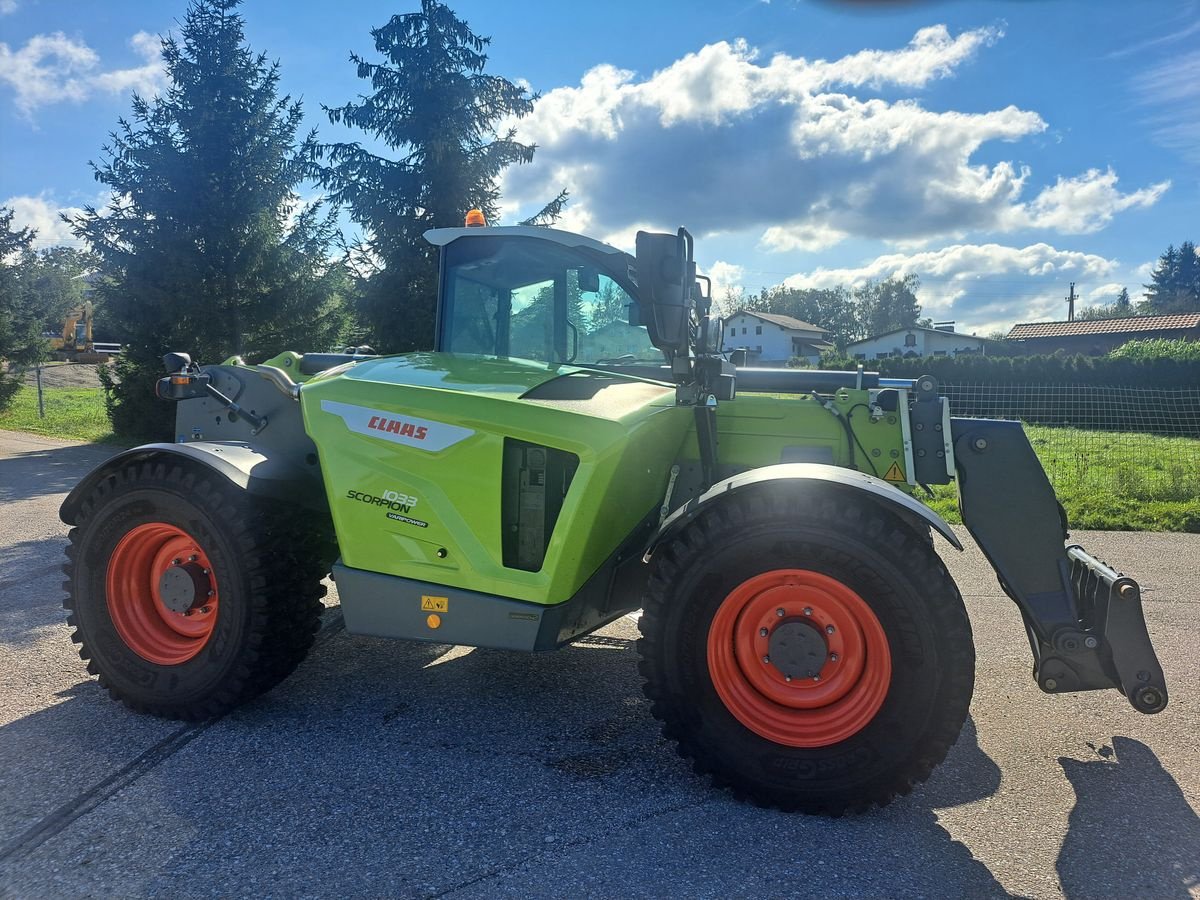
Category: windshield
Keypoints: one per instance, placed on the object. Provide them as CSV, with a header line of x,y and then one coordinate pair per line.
x,y
536,299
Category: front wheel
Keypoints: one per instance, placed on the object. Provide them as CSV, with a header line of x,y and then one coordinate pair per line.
x,y
807,650
187,595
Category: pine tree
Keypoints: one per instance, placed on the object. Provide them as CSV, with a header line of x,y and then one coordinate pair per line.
x,y
20,332
205,244
435,107
1175,282
1122,306
1187,278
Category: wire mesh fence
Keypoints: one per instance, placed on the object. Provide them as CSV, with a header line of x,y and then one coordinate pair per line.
x,y
1139,443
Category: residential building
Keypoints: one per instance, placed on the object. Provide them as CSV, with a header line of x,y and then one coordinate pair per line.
x,y
772,340
919,341
1096,337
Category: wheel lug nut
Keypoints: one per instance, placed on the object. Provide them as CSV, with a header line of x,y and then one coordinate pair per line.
x,y
787,678
816,678
176,562
762,632
779,612
204,571
206,609
193,558
829,629
766,659
212,593
833,657
808,610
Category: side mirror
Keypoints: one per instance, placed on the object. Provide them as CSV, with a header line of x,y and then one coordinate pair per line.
x,y
712,334
738,357
176,362
666,273
589,280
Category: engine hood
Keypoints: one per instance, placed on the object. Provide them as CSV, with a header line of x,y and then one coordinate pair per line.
x,y
508,378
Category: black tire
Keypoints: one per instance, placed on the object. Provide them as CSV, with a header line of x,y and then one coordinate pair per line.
x,y
890,567
268,568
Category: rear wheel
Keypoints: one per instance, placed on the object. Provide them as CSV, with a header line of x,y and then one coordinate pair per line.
x,y
807,650
187,595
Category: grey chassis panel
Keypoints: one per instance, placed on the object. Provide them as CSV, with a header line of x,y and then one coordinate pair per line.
x,y
239,463
390,606
816,474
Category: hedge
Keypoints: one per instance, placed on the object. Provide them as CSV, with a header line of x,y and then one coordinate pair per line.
x,y
1095,393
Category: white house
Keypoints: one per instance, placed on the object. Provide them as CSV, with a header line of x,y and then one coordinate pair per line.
x,y
918,341
771,339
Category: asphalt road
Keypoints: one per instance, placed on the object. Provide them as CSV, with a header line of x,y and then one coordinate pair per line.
x,y
394,769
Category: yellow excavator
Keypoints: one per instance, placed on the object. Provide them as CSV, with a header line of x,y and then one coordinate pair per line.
x,y
75,343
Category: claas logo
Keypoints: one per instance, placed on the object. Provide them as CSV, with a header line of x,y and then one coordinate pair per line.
x,y
398,426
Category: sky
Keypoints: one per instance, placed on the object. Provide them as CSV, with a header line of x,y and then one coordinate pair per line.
x,y
999,150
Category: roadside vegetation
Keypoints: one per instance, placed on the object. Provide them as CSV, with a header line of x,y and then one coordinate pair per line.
x,y
77,414
1112,481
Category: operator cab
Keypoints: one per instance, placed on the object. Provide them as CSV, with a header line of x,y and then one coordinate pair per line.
x,y
541,294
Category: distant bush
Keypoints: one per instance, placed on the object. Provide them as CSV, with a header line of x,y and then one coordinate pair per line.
x,y
1159,348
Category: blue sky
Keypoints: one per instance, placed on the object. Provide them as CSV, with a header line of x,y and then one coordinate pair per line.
x,y
1000,150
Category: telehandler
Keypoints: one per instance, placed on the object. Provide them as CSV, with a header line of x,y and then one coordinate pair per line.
x,y
577,447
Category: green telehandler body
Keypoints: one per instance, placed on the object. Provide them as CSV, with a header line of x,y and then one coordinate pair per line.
x,y
577,447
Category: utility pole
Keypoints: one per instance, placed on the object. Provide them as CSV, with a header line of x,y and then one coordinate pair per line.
x,y
1071,304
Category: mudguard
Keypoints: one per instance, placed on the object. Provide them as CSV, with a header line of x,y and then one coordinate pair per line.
x,y
817,474
241,464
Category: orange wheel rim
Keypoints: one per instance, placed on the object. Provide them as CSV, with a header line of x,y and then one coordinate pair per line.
x,y
799,658
162,595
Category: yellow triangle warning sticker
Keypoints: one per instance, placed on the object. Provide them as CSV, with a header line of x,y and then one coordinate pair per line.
x,y
894,474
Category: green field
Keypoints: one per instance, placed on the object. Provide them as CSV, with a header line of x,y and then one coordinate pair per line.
x,y
1113,480
74,413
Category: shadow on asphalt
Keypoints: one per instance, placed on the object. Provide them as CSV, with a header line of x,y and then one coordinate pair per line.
x,y
1151,850
35,473
419,769
26,608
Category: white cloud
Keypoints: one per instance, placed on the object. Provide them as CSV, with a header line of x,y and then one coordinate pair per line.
x,y
144,79
801,236
53,68
42,214
7,6
1085,204
1104,293
1170,91
727,142
727,281
981,286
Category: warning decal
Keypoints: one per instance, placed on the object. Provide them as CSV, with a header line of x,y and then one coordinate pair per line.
x,y
435,604
894,474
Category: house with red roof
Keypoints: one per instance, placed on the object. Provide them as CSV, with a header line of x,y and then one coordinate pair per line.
x,y
1096,337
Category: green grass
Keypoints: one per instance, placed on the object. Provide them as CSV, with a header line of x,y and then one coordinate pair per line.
x,y
74,413
1113,481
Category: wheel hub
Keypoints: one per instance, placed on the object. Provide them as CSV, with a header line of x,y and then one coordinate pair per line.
x,y
184,587
163,597
797,650
799,658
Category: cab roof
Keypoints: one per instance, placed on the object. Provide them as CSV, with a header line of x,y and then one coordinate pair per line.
x,y
440,237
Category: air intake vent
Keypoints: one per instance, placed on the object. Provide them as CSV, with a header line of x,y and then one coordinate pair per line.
x,y
536,480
